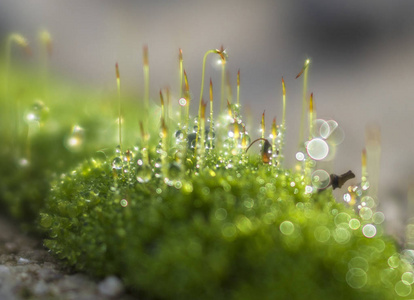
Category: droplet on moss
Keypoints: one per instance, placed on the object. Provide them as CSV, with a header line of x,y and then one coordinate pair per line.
x,y
356,278
45,220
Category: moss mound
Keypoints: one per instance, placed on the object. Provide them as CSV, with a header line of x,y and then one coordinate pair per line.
x,y
249,232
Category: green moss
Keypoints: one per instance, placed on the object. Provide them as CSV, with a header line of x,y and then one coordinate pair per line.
x,y
238,233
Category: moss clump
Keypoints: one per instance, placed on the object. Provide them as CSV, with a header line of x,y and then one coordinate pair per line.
x,y
239,233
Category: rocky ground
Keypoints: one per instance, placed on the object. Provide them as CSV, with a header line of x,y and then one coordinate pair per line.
x,y
28,271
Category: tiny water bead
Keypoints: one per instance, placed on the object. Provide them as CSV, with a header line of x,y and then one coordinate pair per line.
x,y
322,234
354,224
358,262
341,235
300,156
369,231
75,140
182,101
221,214
402,289
287,228
117,163
356,278
342,219
124,203
365,213
317,149
407,278
321,179
143,173
378,217
37,113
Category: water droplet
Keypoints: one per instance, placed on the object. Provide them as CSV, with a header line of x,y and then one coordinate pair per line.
x,y
118,149
378,217
287,228
300,156
354,224
365,185
23,162
356,278
369,231
337,135
117,163
407,278
46,220
229,231
369,201
182,101
402,289
317,149
320,179
365,213
124,203
179,134
341,235
221,214
347,197
358,262
342,218
143,174
322,234
74,141
394,261
37,113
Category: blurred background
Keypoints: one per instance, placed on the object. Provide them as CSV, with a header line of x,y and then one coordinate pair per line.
x,y
361,72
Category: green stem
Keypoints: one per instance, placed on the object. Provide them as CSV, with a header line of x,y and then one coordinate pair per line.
x,y
203,71
305,90
223,75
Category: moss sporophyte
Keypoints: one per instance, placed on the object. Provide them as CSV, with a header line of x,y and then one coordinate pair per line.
x,y
186,212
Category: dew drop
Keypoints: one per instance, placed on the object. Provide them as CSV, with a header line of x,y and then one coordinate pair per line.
x,y
365,213
75,140
402,289
182,101
407,278
347,197
220,214
394,261
317,149
23,162
117,163
287,228
118,149
354,224
320,179
369,231
322,234
143,174
378,217
37,112
358,262
356,278
300,156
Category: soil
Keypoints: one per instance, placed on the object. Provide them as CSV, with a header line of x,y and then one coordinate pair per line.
x,y
29,271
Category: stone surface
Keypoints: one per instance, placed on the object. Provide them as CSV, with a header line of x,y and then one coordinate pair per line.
x,y
28,271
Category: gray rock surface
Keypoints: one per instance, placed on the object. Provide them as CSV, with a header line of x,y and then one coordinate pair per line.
x,y
28,271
